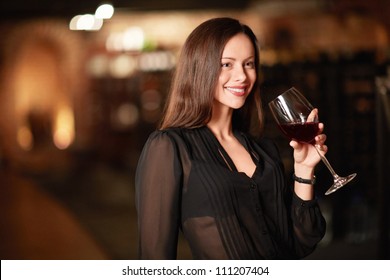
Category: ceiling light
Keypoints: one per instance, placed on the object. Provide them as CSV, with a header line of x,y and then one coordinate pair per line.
x,y
104,11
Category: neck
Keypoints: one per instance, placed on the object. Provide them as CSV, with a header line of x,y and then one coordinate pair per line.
x,y
221,122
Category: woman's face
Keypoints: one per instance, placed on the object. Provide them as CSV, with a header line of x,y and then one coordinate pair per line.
x,y
238,72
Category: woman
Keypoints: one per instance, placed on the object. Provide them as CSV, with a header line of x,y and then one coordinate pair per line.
x,y
203,173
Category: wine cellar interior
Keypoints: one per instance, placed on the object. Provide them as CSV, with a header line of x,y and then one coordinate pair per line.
x,y
76,107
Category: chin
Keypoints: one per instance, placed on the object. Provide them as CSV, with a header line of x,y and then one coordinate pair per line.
x,y
237,106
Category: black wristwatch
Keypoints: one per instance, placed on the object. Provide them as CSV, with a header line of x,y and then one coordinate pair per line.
x,y
305,181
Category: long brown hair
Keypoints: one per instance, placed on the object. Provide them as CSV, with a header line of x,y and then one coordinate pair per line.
x,y
190,100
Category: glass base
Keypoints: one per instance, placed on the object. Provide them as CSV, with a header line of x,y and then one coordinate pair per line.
x,y
340,182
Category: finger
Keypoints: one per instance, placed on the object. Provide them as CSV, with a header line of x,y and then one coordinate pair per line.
x,y
322,148
313,115
320,139
295,144
320,128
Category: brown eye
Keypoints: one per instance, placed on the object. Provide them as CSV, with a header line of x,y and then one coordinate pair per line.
x,y
250,64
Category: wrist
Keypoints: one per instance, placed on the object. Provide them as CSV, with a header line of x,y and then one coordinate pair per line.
x,y
304,191
303,171
308,181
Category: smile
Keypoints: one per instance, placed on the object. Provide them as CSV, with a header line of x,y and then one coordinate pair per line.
x,y
236,91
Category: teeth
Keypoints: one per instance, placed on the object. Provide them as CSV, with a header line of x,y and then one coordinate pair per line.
x,y
238,90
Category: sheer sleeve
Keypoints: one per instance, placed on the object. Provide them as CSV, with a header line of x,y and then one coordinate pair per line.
x,y
309,225
157,186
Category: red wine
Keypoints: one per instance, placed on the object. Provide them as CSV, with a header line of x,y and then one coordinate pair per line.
x,y
302,132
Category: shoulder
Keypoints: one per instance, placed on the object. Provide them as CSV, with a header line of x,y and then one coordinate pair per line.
x,y
169,136
159,145
159,138
167,143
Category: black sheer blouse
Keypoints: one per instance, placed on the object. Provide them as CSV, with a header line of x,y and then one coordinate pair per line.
x,y
186,180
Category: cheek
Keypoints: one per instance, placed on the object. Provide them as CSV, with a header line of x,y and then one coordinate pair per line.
x,y
252,76
218,91
223,78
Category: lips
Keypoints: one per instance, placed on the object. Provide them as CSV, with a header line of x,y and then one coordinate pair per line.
x,y
237,91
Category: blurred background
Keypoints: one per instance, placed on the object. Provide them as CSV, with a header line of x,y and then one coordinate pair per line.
x,y
81,88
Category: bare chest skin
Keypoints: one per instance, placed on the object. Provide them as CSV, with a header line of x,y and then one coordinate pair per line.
x,y
239,155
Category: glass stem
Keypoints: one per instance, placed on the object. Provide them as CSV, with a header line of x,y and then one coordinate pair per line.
x,y
326,162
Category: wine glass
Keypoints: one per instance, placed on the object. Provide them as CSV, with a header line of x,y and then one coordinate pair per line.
x,y
293,114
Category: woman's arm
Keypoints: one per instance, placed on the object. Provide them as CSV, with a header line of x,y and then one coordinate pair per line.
x,y
305,159
157,186
308,223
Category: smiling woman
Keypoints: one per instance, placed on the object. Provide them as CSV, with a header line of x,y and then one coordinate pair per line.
x,y
204,172
238,73
198,72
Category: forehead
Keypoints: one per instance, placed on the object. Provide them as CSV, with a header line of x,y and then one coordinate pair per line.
x,y
239,44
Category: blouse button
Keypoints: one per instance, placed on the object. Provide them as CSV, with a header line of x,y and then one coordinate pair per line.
x,y
303,204
253,186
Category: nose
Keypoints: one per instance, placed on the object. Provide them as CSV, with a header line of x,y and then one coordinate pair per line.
x,y
240,74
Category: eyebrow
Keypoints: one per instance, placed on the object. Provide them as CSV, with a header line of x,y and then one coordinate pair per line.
x,y
232,58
